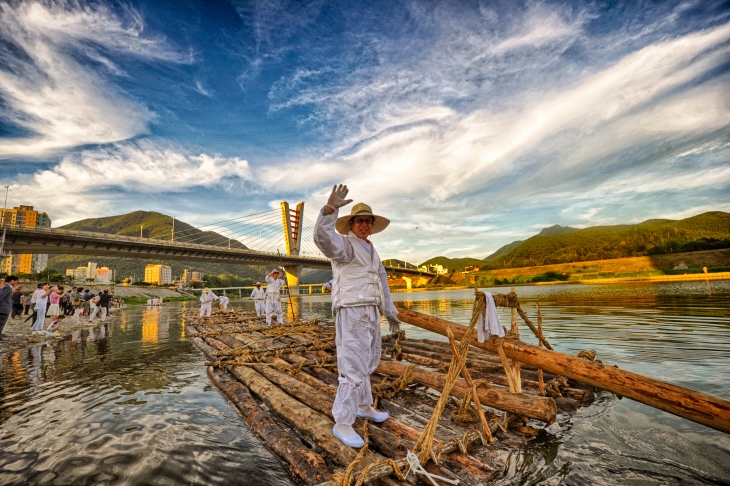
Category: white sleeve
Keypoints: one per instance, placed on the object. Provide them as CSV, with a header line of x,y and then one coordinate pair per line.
x,y
215,297
332,244
388,307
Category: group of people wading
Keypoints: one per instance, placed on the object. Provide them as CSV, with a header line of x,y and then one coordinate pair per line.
x,y
360,295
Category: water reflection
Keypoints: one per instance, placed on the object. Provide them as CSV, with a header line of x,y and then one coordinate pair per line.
x,y
123,402
128,401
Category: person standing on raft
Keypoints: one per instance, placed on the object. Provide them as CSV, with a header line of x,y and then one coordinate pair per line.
x,y
206,302
360,295
273,296
257,295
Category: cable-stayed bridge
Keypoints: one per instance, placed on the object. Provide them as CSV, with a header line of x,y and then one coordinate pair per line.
x,y
282,237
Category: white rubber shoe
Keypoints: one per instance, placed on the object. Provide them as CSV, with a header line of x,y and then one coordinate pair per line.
x,y
347,435
372,414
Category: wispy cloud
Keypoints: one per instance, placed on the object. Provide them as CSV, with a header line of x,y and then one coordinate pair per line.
x,y
105,178
201,89
52,74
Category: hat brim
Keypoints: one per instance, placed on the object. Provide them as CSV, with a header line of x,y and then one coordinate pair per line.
x,y
343,224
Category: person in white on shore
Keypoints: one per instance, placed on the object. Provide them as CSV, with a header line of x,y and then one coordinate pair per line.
x,y
41,301
223,301
259,297
273,296
360,295
206,301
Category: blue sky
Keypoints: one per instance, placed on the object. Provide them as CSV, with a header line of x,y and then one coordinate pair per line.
x,y
469,124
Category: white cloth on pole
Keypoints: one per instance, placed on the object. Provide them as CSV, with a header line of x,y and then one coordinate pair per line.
x,y
488,321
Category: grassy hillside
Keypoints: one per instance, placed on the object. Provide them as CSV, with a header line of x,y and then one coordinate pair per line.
x,y
453,264
152,225
504,250
702,232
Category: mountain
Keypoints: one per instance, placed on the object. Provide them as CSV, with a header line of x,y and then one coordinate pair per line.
x,y
556,229
452,264
504,250
705,231
551,231
153,225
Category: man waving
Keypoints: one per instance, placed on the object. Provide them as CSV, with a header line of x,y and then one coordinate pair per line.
x,y
360,295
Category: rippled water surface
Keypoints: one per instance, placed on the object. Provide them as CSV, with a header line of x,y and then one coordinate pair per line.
x,y
129,402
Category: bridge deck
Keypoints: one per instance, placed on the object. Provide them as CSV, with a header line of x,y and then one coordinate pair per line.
x,y
61,241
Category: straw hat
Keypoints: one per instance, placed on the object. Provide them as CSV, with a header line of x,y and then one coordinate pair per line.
x,y
343,222
258,283
276,270
206,289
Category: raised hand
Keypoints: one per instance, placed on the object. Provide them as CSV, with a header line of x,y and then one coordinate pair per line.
x,y
337,198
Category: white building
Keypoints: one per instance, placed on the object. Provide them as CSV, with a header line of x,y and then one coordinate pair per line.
x,y
104,275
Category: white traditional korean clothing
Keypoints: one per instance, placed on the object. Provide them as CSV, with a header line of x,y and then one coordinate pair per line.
x,y
359,294
224,300
273,299
206,302
258,296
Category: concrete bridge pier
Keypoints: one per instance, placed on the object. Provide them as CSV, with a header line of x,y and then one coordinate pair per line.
x,y
292,278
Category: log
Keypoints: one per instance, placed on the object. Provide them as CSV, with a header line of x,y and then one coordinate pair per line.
x,y
303,419
308,466
302,461
387,443
696,406
538,408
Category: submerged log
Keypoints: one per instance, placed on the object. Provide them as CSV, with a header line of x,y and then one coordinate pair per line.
x,y
303,462
539,408
699,407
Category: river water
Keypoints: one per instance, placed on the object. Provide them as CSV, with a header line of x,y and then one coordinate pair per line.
x,y
128,402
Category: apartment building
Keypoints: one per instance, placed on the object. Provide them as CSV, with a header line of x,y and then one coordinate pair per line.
x,y
156,273
25,217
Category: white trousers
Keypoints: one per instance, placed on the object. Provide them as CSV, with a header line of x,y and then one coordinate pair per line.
x,y
224,305
206,308
96,311
273,306
38,326
260,307
358,344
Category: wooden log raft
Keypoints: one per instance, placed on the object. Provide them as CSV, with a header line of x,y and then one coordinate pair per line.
x,y
696,406
305,464
539,408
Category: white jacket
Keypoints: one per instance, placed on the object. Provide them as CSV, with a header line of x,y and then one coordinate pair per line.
x,y
206,297
273,286
357,283
257,294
